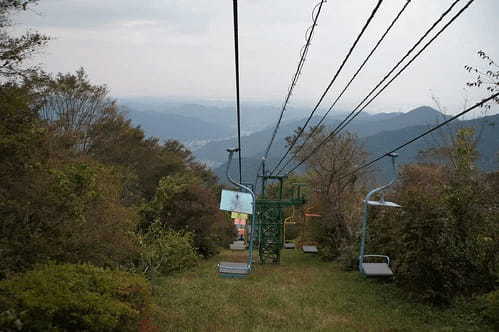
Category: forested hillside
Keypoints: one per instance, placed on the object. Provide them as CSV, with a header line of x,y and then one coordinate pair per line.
x,y
90,207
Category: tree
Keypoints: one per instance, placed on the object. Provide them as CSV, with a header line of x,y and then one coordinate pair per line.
x,y
485,78
15,50
446,228
183,203
55,207
336,192
72,105
445,139
142,160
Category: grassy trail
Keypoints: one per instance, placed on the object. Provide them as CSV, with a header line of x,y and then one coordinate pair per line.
x,y
301,294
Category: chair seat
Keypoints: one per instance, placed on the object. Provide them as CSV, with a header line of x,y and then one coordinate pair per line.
x,y
376,270
237,247
231,269
310,249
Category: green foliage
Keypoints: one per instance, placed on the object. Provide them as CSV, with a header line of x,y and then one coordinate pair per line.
x,y
184,204
489,308
164,251
73,297
68,213
96,227
444,241
142,161
71,190
14,51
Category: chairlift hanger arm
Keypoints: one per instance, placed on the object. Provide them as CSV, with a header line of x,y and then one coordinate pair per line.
x,y
372,192
239,185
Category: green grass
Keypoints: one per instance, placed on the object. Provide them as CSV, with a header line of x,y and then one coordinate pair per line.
x,y
301,294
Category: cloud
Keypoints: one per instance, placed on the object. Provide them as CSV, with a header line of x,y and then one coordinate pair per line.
x,y
185,47
178,16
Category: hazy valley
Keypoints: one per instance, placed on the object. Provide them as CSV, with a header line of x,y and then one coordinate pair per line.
x,y
209,129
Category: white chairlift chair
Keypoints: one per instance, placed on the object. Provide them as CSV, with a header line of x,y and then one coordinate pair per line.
x,y
373,269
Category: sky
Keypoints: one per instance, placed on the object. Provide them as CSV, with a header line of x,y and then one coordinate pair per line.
x,y
185,48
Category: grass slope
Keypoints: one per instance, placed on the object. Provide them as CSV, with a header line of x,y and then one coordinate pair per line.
x,y
301,294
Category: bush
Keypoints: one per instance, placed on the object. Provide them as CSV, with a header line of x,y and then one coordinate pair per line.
x,y
332,233
165,251
73,297
69,213
184,204
490,308
349,257
442,241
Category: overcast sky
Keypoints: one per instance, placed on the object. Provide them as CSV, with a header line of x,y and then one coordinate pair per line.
x,y
184,48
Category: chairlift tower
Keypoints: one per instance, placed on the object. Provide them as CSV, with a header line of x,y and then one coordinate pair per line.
x,y
270,220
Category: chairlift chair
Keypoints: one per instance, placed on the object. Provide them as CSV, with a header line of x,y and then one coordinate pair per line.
x,y
239,269
309,248
297,196
370,269
289,245
237,246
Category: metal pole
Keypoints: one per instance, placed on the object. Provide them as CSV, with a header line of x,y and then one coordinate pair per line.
x,y
364,233
280,210
263,177
238,102
303,227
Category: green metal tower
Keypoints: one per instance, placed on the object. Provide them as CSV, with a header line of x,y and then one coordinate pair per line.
x,y
270,221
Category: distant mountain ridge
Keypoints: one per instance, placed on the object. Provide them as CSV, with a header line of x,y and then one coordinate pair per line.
x,y
254,117
488,146
212,129
368,125
179,127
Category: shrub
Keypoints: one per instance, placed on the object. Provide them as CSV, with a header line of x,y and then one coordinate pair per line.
x,y
70,213
490,308
73,297
183,203
349,257
165,251
441,241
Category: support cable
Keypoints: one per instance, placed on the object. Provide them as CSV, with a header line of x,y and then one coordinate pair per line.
x,y
373,13
303,53
314,129
479,104
349,118
238,103
339,128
